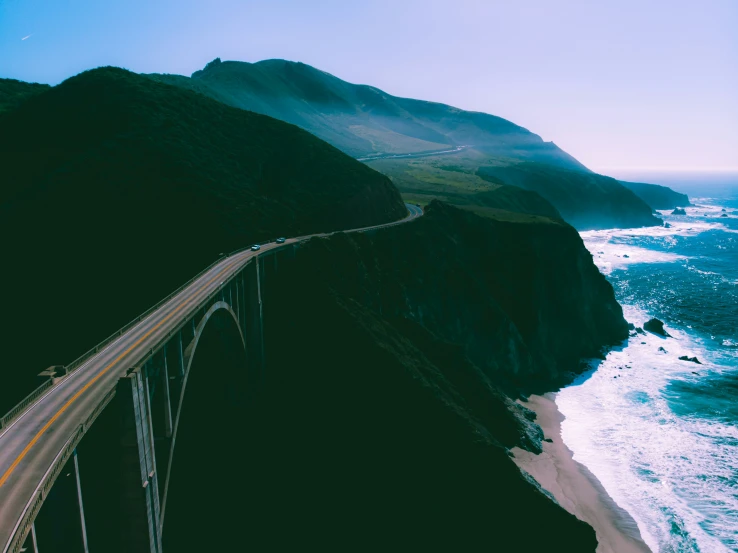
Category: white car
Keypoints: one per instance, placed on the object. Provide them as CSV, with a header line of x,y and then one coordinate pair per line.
x,y
255,248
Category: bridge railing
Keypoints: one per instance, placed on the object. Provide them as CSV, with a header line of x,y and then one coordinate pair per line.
x,y
25,402
77,363
23,526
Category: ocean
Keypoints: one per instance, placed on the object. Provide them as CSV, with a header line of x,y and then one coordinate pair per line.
x,y
661,434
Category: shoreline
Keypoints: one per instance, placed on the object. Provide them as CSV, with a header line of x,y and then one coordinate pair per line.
x,y
575,488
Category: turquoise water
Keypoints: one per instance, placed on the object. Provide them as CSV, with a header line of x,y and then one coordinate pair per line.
x,y
659,433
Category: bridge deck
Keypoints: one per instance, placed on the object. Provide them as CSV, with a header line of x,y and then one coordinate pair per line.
x,y
29,445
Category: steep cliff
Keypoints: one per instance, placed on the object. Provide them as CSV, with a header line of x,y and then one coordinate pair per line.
x,y
393,358
585,200
657,196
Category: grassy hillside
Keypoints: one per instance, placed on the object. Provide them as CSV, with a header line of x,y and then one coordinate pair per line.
x,y
485,184
657,196
453,178
117,189
359,119
13,93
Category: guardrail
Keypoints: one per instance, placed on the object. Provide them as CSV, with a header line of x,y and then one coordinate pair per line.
x,y
23,526
25,402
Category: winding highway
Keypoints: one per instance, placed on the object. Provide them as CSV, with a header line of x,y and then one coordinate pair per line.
x,y
455,150
31,442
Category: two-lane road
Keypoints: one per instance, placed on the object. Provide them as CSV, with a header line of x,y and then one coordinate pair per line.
x,y
29,445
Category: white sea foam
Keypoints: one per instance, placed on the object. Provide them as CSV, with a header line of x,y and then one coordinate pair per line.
x,y
667,471
612,249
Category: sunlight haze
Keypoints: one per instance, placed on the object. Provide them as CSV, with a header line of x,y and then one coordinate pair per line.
x,y
617,84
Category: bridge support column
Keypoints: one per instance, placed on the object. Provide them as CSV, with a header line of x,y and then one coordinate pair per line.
x,y
166,403
85,548
253,328
59,526
140,493
31,544
176,371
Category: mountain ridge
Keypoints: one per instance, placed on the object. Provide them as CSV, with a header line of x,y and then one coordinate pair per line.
x,y
365,121
364,106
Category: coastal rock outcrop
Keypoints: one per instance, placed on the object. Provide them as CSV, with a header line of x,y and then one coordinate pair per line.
x,y
678,211
690,359
656,326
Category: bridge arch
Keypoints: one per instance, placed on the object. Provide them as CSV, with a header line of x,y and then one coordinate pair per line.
x,y
215,364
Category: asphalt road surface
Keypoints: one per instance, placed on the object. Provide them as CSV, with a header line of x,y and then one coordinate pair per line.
x,y
420,154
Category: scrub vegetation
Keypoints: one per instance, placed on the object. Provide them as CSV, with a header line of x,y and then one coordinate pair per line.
x,y
13,93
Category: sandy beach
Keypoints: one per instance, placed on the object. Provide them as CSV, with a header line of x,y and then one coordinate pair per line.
x,y
576,488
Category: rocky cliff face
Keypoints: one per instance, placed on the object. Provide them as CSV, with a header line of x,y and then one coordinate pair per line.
x,y
657,196
524,300
393,358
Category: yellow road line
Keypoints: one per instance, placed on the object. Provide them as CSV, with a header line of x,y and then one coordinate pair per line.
x,y
74,398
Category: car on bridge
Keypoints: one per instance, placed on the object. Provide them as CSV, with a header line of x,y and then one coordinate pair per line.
x,y
255,247
280,240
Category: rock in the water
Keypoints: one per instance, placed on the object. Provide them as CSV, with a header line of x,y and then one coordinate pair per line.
x,y
656,326
626,255
695,373
666,225
661,349
691,359
723,209
724,215
549,440
678,211
639,330
631,326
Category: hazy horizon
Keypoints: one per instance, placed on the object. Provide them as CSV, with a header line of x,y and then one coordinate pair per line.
x,y
620,87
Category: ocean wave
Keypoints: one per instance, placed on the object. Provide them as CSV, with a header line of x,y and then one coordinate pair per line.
x,y
667,470
609,257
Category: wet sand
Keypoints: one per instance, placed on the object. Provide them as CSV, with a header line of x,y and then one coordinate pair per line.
x,y
576,488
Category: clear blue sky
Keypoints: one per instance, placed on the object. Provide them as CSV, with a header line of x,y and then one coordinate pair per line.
x,y
627,83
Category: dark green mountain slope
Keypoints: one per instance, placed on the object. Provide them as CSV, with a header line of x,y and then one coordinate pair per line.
x,y
13,93
362,120
657,196
117,189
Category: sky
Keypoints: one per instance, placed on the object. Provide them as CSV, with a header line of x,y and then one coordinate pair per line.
x,y
646,84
